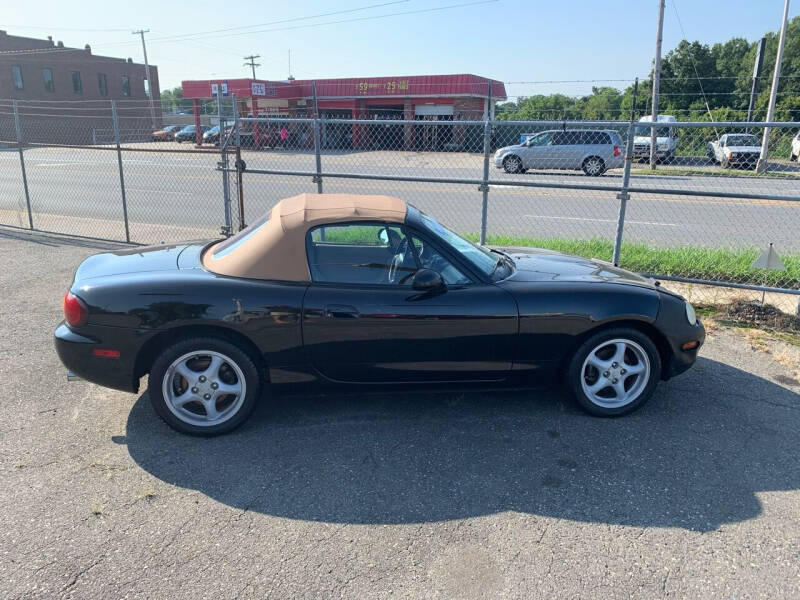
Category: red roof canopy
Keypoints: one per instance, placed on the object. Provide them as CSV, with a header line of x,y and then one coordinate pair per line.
x,y
355,87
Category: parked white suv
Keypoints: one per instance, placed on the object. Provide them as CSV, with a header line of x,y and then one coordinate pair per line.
x,y
666,138
796,147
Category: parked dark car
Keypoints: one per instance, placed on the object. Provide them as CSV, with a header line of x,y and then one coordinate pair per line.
x,y
364,290
212,135
187,134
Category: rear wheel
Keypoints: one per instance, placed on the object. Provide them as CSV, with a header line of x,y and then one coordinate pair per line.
x,y
594,166
204,386
614,372
512,164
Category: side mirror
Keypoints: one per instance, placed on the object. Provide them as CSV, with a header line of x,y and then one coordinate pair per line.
x,y
426,280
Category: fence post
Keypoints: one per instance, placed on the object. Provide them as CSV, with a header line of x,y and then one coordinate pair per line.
x,y
484,187
115,119
22,164
223,166
317,152
623,195
240,166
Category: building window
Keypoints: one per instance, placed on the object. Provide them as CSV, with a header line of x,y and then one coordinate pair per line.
x,y
102,84
77,84
47,77
16,75
126,85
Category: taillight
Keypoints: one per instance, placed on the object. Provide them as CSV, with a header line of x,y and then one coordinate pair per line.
x,y
75,311
616,151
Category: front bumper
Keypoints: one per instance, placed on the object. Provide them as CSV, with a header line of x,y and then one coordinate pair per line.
x,y
681,360
644,152
76,353
677,331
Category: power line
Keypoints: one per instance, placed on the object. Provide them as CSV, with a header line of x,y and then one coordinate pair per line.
x,y
47,27
295,27
183,36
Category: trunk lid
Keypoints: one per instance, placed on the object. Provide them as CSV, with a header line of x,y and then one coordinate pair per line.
x,y
132,260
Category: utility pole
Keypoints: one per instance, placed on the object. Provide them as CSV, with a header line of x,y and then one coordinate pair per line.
x,y
290,78
141,32
656,84
251,61
773,93
756,74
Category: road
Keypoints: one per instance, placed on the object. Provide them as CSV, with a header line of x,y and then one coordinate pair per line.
x,y
440,495
168,189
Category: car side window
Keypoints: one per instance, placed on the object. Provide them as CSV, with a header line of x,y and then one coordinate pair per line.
x,y
359,254
430,258
567,138
596,138
543,139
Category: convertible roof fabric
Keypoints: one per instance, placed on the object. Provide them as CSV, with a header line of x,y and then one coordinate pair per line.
x,y
276,248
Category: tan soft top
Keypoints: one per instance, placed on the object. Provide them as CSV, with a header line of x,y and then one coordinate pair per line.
x,y
276,249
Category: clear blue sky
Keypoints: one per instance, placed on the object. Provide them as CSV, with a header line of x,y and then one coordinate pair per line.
x,y
510,40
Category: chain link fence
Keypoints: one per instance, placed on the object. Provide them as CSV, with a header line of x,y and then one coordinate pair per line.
x,y
698,212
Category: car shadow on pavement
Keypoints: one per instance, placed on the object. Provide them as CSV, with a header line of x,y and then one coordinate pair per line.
x,y
695,457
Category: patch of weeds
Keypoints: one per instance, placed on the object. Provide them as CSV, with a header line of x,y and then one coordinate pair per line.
x,y
97,510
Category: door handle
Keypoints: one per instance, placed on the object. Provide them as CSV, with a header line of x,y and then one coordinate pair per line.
x,y
341,311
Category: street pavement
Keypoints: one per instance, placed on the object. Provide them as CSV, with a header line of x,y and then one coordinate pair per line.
x,y
171,189
447,494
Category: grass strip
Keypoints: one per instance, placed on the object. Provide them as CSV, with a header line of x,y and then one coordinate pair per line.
x,y
715,264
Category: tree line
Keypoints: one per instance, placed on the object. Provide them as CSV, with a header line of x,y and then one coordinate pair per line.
x,y
698,83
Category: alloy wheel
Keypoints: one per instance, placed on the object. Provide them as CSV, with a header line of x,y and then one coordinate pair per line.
x,y
204,388
615,373
594,166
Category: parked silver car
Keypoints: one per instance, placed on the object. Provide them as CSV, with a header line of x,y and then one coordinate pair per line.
x,y
592,150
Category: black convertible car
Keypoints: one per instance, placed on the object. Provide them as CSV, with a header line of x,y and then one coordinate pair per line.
x,y
364,290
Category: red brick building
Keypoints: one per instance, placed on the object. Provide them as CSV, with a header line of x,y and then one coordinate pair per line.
x,y
64,93
430,98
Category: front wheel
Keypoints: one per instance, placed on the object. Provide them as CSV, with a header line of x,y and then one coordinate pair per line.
x,y
512,164
204,386
614,372
594,166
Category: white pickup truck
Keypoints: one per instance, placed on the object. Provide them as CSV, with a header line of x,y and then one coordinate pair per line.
x,y
735,150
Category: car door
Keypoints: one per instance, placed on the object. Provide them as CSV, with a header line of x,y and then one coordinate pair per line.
x,y
374,327
535,153
567,150
719,148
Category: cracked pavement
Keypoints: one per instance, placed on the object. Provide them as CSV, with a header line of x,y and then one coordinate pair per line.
x,y
492,494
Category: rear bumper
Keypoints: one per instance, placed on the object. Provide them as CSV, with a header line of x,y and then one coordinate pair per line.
x,y
76,353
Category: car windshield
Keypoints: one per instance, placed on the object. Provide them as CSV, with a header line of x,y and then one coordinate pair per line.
x,y
483,260
741,140
642,131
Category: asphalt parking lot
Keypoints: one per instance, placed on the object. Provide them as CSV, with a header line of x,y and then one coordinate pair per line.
x,y
408,495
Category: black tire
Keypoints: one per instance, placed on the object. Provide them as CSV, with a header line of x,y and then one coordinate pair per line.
x,y
576,376
588,164
233,354
512,164
793,157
